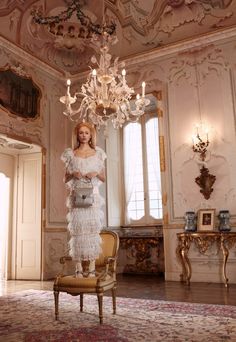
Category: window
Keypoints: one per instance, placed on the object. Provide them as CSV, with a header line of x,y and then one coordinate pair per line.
x,y
142,176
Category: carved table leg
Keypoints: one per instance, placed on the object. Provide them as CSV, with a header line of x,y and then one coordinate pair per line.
x,y
179,256
187,266
225,258
182,251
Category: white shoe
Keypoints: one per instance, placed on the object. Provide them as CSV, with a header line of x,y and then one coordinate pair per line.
x,y
79,274
91,274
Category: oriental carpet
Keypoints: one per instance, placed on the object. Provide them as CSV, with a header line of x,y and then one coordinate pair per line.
x,y
29,316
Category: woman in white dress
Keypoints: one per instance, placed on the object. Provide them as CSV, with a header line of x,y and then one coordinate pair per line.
x,y
83,164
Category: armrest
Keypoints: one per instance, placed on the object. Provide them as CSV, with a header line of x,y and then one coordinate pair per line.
x,y
110,263
64,259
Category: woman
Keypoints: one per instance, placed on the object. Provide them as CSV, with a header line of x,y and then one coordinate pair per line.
x,y
84,164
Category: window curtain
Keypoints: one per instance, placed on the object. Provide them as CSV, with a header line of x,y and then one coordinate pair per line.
x,y
153,155
132,152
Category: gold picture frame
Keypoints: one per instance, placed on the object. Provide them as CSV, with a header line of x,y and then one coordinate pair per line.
x,y
206,220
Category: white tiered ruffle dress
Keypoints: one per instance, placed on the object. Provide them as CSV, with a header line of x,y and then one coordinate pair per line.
x,y
85,224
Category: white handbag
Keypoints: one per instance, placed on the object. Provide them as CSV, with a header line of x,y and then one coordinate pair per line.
x,y
82,195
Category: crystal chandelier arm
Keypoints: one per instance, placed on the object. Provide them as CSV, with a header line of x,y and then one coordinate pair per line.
x,y
69,111
68,100
85,106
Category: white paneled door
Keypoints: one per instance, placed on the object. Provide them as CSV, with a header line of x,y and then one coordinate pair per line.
x,y
28,255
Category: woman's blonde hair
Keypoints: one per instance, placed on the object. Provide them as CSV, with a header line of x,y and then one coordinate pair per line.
x,y
92,141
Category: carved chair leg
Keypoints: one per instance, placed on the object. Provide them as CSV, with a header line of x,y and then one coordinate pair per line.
x,y
81,302
56,300
113,291
100,300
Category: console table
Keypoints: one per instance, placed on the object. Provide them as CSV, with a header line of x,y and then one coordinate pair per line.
x,y
142,254
203,241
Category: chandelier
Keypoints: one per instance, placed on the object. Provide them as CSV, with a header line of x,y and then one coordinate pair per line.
x,y
105,96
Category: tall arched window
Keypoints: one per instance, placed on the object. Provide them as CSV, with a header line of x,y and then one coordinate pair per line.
x,y
142,176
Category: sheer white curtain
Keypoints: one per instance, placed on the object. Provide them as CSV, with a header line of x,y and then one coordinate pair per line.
x,y
132,140
153,161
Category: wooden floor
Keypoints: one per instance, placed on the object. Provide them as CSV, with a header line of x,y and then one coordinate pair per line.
x,y
147,287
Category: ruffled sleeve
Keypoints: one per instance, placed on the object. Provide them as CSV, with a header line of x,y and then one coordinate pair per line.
x,y
101,154
67,157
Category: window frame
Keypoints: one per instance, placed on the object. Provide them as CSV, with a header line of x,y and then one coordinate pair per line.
x,y
147,220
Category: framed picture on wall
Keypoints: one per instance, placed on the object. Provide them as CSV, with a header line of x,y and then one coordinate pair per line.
x,y
206,219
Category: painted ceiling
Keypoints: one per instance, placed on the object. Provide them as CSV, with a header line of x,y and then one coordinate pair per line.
x,y
141,25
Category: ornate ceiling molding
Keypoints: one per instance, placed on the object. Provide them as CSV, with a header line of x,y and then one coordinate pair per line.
x,y
10,50
141,25
171,14
187,63
156,54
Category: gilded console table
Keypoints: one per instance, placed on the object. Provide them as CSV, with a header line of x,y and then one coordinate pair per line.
x,y
203,241
139,252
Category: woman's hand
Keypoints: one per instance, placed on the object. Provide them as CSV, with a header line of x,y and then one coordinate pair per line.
x,y
68,177
77,175
91,175
100,176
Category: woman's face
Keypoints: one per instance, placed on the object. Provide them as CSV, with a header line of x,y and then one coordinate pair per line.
x,y
84,134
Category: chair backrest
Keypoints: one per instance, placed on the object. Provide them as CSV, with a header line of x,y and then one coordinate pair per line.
x,y
109,245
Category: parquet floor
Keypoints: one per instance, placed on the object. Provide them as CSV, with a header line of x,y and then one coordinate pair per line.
x,y
147,287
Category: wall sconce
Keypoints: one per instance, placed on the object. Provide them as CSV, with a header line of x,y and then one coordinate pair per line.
x,y
201,146
205,180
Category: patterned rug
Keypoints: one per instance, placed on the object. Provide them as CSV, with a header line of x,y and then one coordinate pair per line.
x,y
29,316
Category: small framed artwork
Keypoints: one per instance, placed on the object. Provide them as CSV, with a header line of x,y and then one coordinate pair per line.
x,y
206,219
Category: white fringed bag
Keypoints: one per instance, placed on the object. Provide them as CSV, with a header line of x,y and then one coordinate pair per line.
x,y
82,195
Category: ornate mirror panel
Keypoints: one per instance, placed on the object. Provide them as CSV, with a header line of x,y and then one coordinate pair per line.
x,y
19,95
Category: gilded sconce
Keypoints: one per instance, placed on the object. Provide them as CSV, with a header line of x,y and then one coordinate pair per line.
x,y
205,180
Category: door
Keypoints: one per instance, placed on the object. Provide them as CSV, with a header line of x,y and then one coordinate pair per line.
x,y
28,225
6,212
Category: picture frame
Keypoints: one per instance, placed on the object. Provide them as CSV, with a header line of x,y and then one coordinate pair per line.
x,y
206,220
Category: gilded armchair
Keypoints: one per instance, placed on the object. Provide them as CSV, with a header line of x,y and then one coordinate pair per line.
x,y
105,276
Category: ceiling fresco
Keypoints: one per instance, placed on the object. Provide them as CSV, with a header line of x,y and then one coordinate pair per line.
x,y
141,26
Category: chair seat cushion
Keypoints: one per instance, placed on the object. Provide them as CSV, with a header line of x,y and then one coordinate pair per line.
x,y
90,283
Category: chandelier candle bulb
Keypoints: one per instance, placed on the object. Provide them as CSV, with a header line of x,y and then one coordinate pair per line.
x,y
94,74
137,96
143,89
123,72
68,82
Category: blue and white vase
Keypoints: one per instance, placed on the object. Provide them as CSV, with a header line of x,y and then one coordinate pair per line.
x,y
224,217
190,221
